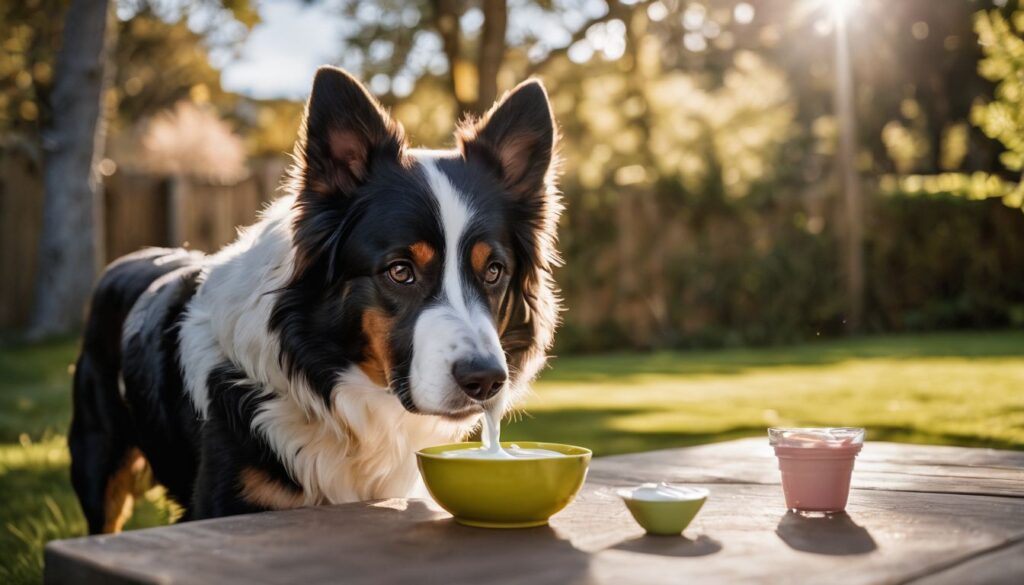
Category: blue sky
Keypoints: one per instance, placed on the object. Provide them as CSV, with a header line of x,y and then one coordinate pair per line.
x,y
281,53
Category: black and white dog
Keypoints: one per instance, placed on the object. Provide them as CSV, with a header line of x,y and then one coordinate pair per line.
x,y
374,310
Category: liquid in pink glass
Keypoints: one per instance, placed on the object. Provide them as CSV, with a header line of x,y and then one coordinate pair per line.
x,y
816,465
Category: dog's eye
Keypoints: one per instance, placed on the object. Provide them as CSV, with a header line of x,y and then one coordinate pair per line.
x,y
401,273
493,273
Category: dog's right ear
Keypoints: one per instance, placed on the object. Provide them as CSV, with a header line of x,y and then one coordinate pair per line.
x,y
344,132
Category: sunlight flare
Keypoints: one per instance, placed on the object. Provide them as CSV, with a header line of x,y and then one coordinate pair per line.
x,y
841,9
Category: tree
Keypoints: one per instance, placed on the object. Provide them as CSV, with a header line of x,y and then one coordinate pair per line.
x,y
490,52
159,59
66,93
394,40
70,244
1002,119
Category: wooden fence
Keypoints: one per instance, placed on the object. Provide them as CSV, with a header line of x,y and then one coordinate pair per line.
x,y
139,210
21,215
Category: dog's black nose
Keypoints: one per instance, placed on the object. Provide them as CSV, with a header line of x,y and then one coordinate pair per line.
x,y
479,377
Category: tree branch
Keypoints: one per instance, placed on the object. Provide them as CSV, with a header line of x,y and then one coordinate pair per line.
x,y
616,10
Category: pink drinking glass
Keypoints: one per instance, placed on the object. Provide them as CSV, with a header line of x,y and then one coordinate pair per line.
x,y
816,465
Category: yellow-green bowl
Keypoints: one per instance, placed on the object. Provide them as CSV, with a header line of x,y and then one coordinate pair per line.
x,y
665,517
504,493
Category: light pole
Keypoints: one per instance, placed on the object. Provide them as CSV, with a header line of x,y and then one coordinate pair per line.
x,y
853,200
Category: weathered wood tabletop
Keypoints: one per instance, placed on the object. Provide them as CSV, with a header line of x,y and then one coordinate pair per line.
x,y
916,515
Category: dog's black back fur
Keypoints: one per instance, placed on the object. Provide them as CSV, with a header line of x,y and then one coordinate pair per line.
x,y
130,401
103,429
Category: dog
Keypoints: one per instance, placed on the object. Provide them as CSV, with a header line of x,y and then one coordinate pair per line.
x,y
377,307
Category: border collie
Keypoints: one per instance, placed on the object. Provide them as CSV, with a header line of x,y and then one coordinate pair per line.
x,y
376,308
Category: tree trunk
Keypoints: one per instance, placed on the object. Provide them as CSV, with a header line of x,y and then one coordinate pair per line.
x,y
446,19
70,251
646,319
491,53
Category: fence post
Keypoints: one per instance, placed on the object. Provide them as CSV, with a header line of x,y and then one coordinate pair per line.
x,y
175,200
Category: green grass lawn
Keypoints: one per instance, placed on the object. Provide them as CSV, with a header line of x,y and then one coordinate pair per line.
x,y
961,389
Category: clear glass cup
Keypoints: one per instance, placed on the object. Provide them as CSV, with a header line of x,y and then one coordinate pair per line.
x,y
816,465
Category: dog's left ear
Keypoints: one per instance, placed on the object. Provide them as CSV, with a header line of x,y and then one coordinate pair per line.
x,y
517,136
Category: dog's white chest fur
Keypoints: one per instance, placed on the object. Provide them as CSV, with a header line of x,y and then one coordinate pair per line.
x,y
360,447
366,452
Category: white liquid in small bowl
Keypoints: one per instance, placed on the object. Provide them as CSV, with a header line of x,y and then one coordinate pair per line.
x,y
663,492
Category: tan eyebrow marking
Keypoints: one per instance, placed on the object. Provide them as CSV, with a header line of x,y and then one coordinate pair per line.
x,y
422,253
479,255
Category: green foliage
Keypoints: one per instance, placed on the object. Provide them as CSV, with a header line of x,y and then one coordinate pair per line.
x,y
940,262
158,59
680,208
28,43
975,186
244,11
1003,118
157,63
762,270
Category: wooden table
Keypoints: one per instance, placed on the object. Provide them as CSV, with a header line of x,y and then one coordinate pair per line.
x,y
916,515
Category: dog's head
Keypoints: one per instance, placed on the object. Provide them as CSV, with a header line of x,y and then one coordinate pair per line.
x,y
429,270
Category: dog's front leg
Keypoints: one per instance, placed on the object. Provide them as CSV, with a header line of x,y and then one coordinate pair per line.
x,y
238,473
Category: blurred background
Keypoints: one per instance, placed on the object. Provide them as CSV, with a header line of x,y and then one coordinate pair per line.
x,y
779,211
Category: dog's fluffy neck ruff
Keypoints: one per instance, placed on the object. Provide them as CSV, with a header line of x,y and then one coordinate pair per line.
x,y
364,445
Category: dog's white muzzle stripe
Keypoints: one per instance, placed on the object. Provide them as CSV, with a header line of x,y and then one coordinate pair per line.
x,y
458,327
